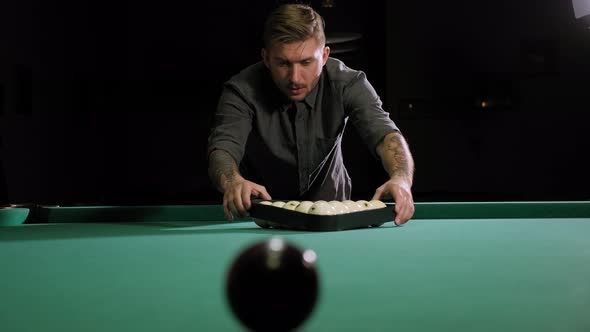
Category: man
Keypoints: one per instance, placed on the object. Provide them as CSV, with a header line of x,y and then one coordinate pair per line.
x,y
282,120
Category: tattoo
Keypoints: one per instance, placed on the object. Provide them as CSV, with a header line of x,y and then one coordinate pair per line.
x,y
396,156
222,168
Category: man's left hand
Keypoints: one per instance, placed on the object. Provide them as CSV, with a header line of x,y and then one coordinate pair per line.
x,y
400,190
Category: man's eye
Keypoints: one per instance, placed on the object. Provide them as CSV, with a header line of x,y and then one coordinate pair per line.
x,y
306,62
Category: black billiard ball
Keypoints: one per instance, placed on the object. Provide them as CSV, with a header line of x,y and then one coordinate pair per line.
x,y
272,285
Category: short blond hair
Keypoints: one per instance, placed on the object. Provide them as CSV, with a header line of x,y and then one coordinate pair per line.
x,y
293,22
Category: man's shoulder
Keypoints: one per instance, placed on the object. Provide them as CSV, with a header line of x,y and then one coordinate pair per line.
x,y
249,75
249,80
340,72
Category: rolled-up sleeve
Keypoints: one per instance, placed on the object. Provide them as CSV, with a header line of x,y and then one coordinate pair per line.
x,y
365,111
232,124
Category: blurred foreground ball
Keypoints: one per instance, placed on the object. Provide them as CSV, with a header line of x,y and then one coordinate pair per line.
x,y
273,285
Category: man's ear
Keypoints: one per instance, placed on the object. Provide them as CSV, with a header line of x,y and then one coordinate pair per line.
x,y
264,56
326,54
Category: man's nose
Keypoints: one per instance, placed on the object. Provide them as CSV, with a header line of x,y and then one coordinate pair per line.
x,y
295,74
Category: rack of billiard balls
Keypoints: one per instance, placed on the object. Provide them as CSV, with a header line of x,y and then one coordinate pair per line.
x,y
327,208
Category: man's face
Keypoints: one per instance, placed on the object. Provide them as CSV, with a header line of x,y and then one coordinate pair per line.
x,y
296,67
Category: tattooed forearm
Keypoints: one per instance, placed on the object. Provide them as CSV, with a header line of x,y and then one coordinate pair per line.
x,y
396,156
222,168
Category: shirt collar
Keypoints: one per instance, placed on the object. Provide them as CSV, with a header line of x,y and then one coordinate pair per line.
x,y
311,97
309,100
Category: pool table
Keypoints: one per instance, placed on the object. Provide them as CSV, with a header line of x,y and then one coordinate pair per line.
x,y
459,266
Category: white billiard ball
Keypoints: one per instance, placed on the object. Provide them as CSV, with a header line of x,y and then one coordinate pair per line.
x,y
291,205
352,206
304,206
377,204
265,203
340,207
365,205
278,204
322,208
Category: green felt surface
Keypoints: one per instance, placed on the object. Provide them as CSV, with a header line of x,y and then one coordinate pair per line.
x,y
478,274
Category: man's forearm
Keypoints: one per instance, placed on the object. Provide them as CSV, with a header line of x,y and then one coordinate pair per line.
x,y
222,168
396,157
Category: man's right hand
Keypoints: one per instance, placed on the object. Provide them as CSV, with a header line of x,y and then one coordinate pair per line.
x,y
236,196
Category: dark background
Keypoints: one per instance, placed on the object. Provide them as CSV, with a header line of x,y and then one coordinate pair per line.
x,y
110,102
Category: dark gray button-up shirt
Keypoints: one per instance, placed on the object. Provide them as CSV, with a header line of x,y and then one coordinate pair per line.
x,y
294,148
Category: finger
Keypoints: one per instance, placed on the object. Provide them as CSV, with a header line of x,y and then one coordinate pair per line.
x,y
394,213
262,193
377,194
238,204
409,213
246,198
226,209
411,210
403,218
406,211
398,213
401,207
400,220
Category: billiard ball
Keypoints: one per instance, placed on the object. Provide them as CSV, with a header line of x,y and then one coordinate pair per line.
x,y
353,206
272,285
291,205
365,205
322,208
339,207
304,206
377,204
278,204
